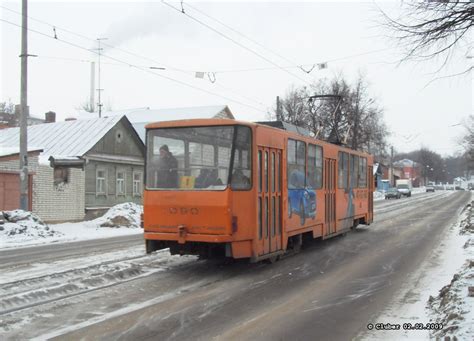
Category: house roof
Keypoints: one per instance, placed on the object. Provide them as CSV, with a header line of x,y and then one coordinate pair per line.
x,y
70,138
154,115
141,117
405,163
14,150
147,115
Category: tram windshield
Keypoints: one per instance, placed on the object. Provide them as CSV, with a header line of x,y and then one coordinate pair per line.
x,y
198,158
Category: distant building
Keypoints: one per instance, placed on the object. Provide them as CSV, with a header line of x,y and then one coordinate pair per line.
x,y
77,168
8,120
410,170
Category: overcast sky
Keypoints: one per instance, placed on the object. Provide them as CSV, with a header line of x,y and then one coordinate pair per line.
x,y
419,109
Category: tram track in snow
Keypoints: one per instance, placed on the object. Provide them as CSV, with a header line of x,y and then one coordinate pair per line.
x,y
32,289
389,206
36,291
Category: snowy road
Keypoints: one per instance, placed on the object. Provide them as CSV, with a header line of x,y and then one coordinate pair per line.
x,y
23,256
328,291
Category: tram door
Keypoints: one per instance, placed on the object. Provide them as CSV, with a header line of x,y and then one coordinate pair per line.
x,y
371,192
269,199
330,195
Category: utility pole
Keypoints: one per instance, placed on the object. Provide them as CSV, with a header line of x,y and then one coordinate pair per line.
x,y
92,94
99,89
391,166
24,109
278,112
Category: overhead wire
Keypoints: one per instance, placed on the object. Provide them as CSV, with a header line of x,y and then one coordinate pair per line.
x,y
137,67
240,34
292,66
187,72
234,41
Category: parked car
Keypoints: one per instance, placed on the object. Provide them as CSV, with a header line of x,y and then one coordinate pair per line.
x,y
430,188
393,193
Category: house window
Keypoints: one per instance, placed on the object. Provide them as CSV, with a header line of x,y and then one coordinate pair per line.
x,y
120,183
137,184
100,181
61,175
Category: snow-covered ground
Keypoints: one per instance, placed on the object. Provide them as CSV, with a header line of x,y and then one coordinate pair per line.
x,y
440,296
26,229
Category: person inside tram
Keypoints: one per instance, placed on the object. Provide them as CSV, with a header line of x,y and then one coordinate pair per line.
x,y
208,177
201,179
167,169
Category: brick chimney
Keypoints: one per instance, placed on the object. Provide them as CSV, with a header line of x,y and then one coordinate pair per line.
x,y
50,117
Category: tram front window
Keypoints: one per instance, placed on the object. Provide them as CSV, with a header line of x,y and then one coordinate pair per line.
x,y
195,158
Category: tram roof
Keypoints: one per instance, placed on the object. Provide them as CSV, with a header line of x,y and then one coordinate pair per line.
x,y
278,125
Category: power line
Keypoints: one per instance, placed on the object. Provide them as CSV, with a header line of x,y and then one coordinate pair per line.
x,y
302,65
186,72
291,66
234,41
138,67
241,34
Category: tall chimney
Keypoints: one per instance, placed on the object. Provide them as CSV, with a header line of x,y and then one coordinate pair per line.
x,y
92,101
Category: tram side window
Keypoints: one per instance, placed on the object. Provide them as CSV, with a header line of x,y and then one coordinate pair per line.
x,y
343,170
242,166
296,156
354,171
363,172
315,166
166,174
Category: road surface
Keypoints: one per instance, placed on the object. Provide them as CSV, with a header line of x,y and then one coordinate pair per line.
x,y
331,290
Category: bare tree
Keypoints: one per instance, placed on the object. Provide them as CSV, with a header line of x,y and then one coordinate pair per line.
x,y
468,144
86,106
429,29
294,106
356,121
7,107
7,114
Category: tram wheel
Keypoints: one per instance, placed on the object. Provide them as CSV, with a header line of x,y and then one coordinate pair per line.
x,y
272,259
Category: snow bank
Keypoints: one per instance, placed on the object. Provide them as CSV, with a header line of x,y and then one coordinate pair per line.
x,y
379,195
420,300
26,229
122,215
22,226
454,304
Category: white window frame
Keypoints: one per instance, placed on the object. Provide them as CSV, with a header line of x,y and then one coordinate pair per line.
x,y
137,184
102,179
118,181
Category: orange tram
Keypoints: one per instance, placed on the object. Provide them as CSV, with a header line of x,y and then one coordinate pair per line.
x,y
216,187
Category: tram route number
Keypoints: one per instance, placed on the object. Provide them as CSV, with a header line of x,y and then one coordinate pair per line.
x,y
405,326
